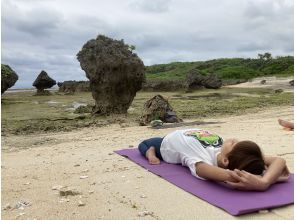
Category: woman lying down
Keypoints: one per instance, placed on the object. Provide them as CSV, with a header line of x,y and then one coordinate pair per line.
x,y
240,164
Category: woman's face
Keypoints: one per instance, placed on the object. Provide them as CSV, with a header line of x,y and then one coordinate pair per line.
x,y
228,145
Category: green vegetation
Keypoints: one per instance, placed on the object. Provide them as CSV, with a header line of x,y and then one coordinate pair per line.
x,y
24,113
5,70
227,68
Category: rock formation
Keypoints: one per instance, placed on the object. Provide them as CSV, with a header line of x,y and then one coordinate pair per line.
x,y
8,77
74,86
158,108
42,82
114,71
195,80
163,85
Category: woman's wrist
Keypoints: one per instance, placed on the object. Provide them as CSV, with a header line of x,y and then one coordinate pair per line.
x,y
265,183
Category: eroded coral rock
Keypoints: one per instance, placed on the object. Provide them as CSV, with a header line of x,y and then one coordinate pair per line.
x,y
114,71
42,82
8,77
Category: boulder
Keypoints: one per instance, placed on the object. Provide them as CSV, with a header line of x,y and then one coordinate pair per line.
x,y
158,108
291,82
114,71
42,82
8,77
196,80
262,82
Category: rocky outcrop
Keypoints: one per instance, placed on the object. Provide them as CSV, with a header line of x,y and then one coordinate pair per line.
x,y
195,80
42,82
114,71
158,108
74,86
8,77
163,85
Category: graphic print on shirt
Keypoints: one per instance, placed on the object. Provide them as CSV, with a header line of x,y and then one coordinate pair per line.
x,y
205,138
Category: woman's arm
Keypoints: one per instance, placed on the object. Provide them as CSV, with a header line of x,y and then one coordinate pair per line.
x,y
214,173
276,170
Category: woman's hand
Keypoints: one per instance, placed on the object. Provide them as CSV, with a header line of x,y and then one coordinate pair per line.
x,y
284,175
247,181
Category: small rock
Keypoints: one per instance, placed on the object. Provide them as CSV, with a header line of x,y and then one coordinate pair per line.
x,y
91,191
131,146
143,196
20,214
263,81
263,211
77,165
80,203
21,204
144,213
156,123
7,207
123,176
28,183
63,200
83,177
57,187
139,176
110,153
67,191
85,170
134,206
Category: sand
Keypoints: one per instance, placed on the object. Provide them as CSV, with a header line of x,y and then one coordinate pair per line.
x,y
113,187
271,82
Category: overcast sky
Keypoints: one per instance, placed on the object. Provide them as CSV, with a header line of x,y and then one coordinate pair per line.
x,y
47,34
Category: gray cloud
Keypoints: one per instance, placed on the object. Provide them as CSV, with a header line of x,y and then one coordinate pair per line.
x,y
157,6
35,21
47,34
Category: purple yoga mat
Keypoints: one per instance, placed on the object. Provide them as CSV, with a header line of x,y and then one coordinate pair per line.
x,y
233,201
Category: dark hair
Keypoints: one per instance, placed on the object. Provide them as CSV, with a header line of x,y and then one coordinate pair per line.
x,y
246,155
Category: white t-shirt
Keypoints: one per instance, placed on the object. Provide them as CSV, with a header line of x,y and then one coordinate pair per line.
x,y
190,146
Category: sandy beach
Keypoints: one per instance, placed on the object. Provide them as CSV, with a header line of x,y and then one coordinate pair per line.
x,y
112,187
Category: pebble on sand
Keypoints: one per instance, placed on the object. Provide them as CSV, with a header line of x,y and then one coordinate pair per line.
x,y
68,191
7,207
83,177
144,213
80,203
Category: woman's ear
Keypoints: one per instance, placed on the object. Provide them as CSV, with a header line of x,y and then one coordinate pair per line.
x,y
225,161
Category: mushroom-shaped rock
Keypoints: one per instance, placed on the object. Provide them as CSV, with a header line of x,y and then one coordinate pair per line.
x,y
8,77
158,108
42,82
114,71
